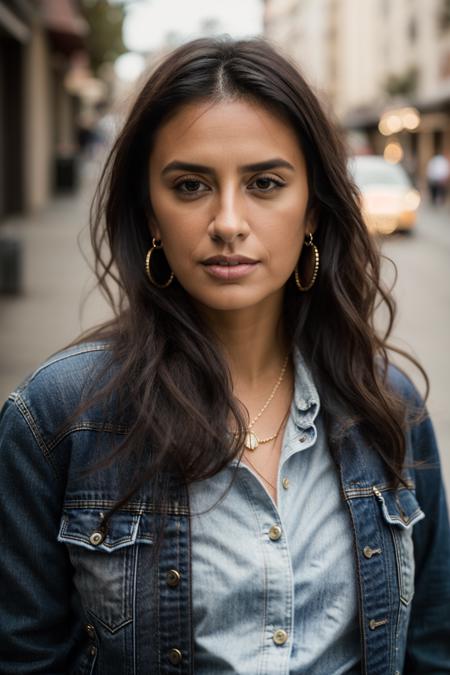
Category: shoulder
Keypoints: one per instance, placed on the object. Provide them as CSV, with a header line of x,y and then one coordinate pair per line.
x,y
66,374
422,453
50,395
402,386
67,363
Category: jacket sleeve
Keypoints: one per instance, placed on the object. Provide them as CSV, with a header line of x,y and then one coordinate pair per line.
x,y
428,644
36,631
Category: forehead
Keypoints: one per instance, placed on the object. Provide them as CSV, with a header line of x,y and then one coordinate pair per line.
x,y
213,130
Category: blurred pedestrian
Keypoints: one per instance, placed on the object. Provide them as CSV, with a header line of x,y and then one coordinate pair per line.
x,y
228,477
438,173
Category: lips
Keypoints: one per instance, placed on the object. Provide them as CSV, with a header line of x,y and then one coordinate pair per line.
x,y
229,260
229,267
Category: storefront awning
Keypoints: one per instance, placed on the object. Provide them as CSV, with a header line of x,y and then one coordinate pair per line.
x,y
65,24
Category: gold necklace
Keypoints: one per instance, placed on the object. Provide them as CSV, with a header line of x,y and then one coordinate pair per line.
x,y
261,476
276,435
252,441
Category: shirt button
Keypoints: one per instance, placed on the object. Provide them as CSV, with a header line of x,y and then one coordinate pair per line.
x,y
302,439
175,657
92,650
173,578
275,532
285,483
280,636
96,538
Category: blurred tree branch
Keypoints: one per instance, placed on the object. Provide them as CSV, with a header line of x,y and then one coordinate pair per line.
x,y
104,41
402,85
444,16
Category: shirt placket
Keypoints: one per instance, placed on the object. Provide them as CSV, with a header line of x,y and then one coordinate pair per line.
x,y
278,584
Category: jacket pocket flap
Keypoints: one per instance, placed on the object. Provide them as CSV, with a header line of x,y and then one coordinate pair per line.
x,y
400,508
83,527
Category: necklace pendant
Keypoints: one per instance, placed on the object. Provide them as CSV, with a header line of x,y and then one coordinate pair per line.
x,y
251,441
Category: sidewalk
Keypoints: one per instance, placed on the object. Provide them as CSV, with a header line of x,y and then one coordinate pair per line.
x,y
56,278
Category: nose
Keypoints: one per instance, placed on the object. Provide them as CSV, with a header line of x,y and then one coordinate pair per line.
x,y
229,222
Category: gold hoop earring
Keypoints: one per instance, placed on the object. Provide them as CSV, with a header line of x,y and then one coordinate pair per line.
x,y
309,243
156,244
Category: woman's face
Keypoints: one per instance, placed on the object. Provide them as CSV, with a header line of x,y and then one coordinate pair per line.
x,y
229,191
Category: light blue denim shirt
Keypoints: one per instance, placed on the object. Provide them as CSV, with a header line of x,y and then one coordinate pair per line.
x,y
267,604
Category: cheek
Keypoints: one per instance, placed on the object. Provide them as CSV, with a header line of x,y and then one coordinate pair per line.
x,y
285,231
162,207
285,254
179,245
175,225
180,235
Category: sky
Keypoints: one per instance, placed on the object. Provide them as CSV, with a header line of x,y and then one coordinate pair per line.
x,y
149,21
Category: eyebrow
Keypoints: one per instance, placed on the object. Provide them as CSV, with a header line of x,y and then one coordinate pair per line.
x,y
267,165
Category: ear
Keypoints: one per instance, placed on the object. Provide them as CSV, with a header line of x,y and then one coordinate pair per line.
x,y
310,225
154,229
310,220
152,223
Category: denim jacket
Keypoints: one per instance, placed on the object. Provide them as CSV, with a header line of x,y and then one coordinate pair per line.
x,y
76,599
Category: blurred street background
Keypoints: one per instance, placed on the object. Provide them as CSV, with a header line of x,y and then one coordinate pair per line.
x,y
68,70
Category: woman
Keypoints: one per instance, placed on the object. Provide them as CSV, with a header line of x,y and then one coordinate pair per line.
x,y
224,478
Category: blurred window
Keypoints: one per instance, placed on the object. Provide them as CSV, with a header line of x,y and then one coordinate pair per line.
x,y
385,7
412,30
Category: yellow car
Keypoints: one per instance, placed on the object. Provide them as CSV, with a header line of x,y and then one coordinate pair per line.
x,y
388,199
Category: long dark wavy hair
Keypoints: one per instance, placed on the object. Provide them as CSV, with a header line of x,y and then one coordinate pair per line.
x,y
168,370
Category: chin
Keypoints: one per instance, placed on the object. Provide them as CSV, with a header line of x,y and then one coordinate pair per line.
x,y
230,299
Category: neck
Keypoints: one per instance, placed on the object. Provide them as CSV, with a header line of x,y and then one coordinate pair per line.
x,y
254,342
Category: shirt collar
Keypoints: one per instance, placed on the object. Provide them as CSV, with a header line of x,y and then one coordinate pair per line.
x,y
306,398
306,404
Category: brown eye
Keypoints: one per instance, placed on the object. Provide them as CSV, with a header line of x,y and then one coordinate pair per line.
x,y
265,184
190,186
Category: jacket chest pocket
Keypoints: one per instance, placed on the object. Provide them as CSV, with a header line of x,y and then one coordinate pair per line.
x,y
401,511
104,562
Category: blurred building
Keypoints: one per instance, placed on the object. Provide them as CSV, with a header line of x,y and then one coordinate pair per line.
x,y
38,41
303,30
374,61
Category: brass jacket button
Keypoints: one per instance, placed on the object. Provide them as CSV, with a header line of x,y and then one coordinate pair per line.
x,y
373,623
275,532
280,637
96,538
369,552
173,578
90,630
285,483
175,657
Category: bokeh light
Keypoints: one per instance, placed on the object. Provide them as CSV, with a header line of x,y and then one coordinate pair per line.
x,y
393,152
